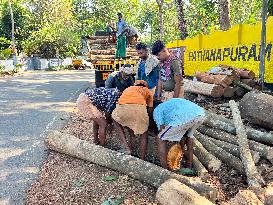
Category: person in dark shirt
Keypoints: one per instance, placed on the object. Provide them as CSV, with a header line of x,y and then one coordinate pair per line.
x,y
121,79
98,104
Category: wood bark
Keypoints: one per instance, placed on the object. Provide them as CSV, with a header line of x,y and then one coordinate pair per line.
x,y
234,149
172,192
245,73
222,123
257,108
206,158
203,88
224,14
98,37
245,197
223,80
126,164
263,150
202,172
249,82
243,85
99,41
181,19
254,179
229,92
220,153
240,92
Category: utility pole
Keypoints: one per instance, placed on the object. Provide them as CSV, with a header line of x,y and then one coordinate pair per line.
x,y
263,43
13,47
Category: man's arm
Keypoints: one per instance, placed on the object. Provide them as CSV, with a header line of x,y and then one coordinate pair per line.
x,y
177,70
109,82
177,87
159,89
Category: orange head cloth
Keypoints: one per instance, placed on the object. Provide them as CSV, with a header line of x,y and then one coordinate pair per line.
x,y
174,157
138,82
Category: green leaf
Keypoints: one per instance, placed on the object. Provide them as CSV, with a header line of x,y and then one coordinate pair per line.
x,y
110,178
79,182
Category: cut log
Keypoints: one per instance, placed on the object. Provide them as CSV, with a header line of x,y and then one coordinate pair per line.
x,y
223,80
126,164
222,123
245,197
240,92
263,150
98,37
249,82
254,179
203,88
220,153
242,85
206,158
258,109
172,192
234,149
99,41
229,92
245,73
202,172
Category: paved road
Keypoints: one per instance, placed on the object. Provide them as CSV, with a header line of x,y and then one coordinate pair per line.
x,y
30,105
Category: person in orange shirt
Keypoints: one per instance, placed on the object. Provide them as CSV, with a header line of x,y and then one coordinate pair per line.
x,y
132,111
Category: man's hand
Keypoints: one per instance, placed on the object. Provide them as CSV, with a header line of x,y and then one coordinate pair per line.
x,y
162,127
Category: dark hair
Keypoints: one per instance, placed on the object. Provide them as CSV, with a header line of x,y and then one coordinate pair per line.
x,y
141,85
119,14
140,46
157,47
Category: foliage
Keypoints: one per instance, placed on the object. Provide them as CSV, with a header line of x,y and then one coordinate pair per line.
x,y
5,54
2,68
53,28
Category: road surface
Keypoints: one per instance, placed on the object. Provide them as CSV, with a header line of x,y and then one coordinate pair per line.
x,y
30,105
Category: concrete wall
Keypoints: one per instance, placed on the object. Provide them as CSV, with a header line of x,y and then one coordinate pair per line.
x,y
36,63
238,47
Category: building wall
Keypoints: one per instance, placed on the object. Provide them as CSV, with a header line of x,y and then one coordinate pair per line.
x,y
238,47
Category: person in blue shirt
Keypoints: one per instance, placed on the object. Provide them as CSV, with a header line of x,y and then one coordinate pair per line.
x,y
147,68
177,119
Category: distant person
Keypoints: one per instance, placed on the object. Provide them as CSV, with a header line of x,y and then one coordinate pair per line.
x,y
111,30
132,35
170,83
177,119
121,79
122,28
98,104
148,67
132,112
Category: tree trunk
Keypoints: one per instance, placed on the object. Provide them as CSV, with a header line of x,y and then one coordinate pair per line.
x,y
202,172
203,88
13,45
263,150
220,153
160,4
206,158
126,164
257,108
224,14
254,179
181,19
223,80
234,149
172,192
222,123
244,73
229,92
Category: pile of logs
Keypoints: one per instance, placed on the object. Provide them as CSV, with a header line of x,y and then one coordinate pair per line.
x,y
222,81
102,48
